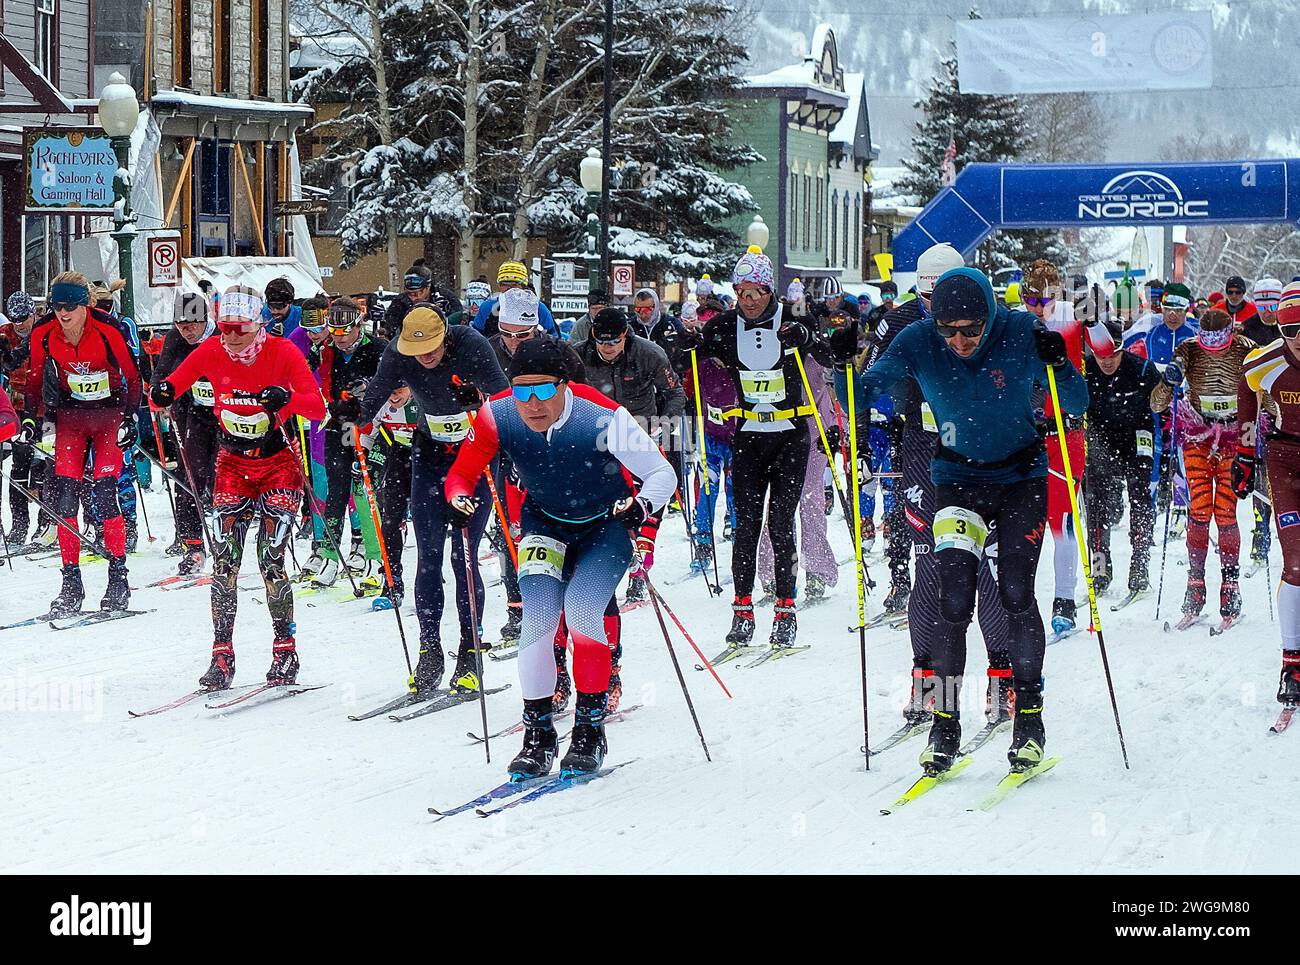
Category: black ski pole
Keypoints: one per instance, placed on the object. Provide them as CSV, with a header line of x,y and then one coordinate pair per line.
x,y
472,592
654,599
193,490
320,510
1169,506
59,520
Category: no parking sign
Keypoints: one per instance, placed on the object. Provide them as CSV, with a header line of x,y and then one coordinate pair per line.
x,y
164,261
623,278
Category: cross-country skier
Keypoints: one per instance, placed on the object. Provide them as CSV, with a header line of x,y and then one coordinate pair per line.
x,y
1272,373
576,453
388,445
977,366
1208,434
1261,329
446,367
83,371
511,274
259,382
194,422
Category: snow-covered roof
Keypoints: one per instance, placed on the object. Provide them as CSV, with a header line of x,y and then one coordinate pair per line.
x,y
794,75
212,104
256,272
844,131
328,50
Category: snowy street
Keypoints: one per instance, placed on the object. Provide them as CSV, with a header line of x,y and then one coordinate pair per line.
x,y
297,787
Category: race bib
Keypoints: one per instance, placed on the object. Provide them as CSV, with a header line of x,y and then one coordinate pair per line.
x,y
1218,406
715,415
541,556
402,433
927,418
252,426
1144,443
762,385
203,393
448,428
89,388
959,529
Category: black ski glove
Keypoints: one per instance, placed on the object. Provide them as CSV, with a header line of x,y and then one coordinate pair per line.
x,y
464,393
631,512
1051,347
127,433
844,342
346,410
1172,376
163,394
461,510
794,335
273,398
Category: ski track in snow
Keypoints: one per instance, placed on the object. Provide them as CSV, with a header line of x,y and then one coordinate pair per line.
x,y
297,787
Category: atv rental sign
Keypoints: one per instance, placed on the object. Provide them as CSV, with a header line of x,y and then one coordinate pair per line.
x,y
986,197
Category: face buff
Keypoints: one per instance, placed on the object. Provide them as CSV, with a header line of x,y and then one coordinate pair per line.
x,y
1215,341
248,354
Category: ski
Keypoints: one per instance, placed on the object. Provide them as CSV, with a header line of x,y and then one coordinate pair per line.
x,y
505,650
505,790
905,732
406,700
44,618
885,618
1255,568
1225,625
634,605
1132,597
1187,622
1015,779
1283,719
188,698
775,653
731,653
983,736
271,691
926,783
1063,635
551,786
96,616
445,701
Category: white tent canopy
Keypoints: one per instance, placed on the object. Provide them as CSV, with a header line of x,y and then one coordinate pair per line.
x,y
253,272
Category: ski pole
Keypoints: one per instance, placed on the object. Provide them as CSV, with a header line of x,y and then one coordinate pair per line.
x,y
1169,506
144,513
164,470
1083,554
383,549
472,592
59,520
704,458
162,454
654,600
689,640
198,503
319,509
857,552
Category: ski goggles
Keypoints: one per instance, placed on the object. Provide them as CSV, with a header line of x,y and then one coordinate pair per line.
x,y
313,320
973,330
608,339
1176,303
1266,305
543,392
1290,330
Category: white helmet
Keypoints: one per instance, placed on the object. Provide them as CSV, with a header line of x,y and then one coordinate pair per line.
x,y
934,261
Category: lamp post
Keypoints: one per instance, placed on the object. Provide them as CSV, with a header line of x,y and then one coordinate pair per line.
x,y
757,233
591,172
118,113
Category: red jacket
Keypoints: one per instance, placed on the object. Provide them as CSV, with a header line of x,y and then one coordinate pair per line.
x,y
8,418
96,373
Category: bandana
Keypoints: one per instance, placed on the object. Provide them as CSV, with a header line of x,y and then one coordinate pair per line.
x,y
239,305
66,293
249,354
1215,341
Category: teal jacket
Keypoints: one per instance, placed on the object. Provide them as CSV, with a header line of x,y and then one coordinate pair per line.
x,y
982,405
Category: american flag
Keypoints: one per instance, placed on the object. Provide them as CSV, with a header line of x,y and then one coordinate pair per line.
x,y
948,169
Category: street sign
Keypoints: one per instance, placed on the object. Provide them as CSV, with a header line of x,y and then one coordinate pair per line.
x,y
564,271
69,170
574,286
568,306
303,206
622,276
164,261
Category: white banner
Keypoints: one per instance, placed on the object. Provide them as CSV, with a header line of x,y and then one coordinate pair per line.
x,y
1043,55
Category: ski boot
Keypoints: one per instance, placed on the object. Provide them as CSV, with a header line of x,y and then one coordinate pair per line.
x,y
829,492
464,677
783,624
389,598
742,622
1101,575
587,744
71,596
1138,581
726,528
1028,738
702,557
315,563
941,751
868,534
191,562
284,663
563,690
177,547
1230,594
357,553
117,595
514,620
814,588
1194,599
221,671
328,575
636,592
132,534
897,597
920,704
46,535
999,699
541,743
1288,688
1178,523
428,670
769,593
1259,545
1064,613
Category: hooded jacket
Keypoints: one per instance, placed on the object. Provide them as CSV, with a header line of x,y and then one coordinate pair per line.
x,y
640,379
982,405
662,329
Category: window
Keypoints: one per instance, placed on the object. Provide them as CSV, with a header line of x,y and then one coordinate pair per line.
x,y
807,210
260,81
857,230
821,210
214,165
182,44
47,40
221,45
834,248
844,259
794,210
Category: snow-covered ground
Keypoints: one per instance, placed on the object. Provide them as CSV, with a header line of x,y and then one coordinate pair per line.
x,y
296,786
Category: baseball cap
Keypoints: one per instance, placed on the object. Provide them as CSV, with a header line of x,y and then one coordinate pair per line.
x,y
423,331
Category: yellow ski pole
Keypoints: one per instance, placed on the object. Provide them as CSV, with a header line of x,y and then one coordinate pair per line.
x,y
704,466
857,554
1083,554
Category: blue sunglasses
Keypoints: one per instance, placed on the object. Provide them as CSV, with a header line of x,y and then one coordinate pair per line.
x,y
543,393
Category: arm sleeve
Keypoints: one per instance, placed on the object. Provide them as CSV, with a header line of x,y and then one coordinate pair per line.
x,y
484,313
670,399
475,455
630,445
304,395
892,367
8,418
34,391
548,320
1163,394
1247,401
190,369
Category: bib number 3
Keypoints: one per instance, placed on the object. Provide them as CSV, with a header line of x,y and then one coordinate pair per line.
x,y
960,529
541,556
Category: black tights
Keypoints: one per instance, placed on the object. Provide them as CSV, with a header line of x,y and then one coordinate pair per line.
x,y
763,461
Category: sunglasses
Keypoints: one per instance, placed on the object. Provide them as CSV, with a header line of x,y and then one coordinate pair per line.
x,y
238,327
1037,301
64,306
1291,330
341,329
314,329
277,306
1264,306
751,295
518,336
542,393
974,330
609,340
1236,291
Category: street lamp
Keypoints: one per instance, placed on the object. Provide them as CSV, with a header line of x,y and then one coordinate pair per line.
x,y
118,113
591,172
757,232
